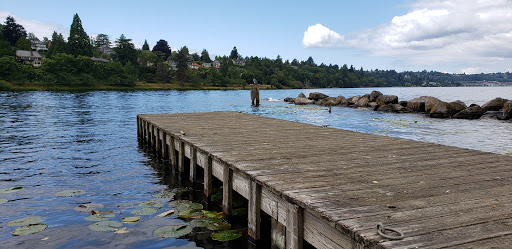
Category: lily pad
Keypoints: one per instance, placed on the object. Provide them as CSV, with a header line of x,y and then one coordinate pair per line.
x,y
186,205
144,211
218,226
172,231
2,201
30,229
190,213
131,219
10,190
69,192
211,214
99,217
30,220
204,222
88,207
164,194
226,235
104,226
156,204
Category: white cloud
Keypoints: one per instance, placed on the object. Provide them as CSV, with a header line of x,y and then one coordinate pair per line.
x,y
471,70
319,36
40,29
467,34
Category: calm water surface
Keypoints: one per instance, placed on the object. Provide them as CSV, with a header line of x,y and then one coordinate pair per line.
x,y
52,141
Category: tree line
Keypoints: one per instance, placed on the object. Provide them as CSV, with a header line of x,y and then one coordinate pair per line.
x,y
68,62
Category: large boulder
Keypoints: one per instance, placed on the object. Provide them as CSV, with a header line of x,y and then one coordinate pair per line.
x,y
362,102
472,112
373,106
386,99
289,99
394,108
430,103
301,95
441,110
329,101
374,95
507,111
403,103
494,105
343,101
353,100
303,101
317,96
457,106
423,103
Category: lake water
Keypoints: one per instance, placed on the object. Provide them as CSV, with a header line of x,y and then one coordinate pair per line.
x,y
53,141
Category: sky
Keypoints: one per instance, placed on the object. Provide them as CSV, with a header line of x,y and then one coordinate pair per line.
x,y
453,36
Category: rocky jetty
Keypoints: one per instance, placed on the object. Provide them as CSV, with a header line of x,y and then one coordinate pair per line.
x,y
433,107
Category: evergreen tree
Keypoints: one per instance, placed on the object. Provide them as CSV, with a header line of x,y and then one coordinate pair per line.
x,y
102,39
145,46
125,51
24,44
182,65
163,47
78,40
205,57
12,31
234,54
32,37
57,45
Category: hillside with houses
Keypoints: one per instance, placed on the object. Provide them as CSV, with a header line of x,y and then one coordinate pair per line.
x,y
82,60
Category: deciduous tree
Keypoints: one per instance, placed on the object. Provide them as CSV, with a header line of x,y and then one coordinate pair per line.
x,y
182,65
24,44
163,47
102,39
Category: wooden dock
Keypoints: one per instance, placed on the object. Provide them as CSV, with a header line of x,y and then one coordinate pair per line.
x,y
331,187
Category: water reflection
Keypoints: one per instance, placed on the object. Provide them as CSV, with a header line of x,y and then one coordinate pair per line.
x,y
52,141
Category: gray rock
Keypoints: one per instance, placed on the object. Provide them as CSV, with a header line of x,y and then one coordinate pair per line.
x,y
303,101
301,95
423,103
317,96
441,110
374,95
403,103
386,99
472,112
329,101
394,108
457,106
494,105
353,100
289,99
362,102
507,111
373,106
343,101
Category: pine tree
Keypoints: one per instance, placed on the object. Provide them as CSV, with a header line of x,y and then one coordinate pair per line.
x,y
125,50
182,65
57,45
234,54
145,46
205,57
12,31
78,40
102,39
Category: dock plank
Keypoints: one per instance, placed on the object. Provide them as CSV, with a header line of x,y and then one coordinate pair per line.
x,y
439,196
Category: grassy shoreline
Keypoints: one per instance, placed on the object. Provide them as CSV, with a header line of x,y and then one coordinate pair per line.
x,y
139,86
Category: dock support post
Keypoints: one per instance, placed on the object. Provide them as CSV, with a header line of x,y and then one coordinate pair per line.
x,y
158,143
278,235
294,227
193,162
145,130
139,135
165,148
152,130
172,152
181,159
227,194
254,218
208,178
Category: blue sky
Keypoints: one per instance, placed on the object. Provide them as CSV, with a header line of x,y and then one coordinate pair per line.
x,y
456,36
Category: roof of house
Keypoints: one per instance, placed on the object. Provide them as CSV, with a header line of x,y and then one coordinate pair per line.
x,y
25,53
96,59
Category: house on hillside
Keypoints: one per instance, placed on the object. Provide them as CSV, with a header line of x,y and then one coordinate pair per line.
x,y
239,62
29,57
216,64
106,49
96,59
172,63
206,65
38,45
194,66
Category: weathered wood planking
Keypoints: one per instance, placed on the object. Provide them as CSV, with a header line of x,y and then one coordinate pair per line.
x,y
330,187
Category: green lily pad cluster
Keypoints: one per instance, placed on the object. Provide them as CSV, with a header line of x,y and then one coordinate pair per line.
x,y
27,225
